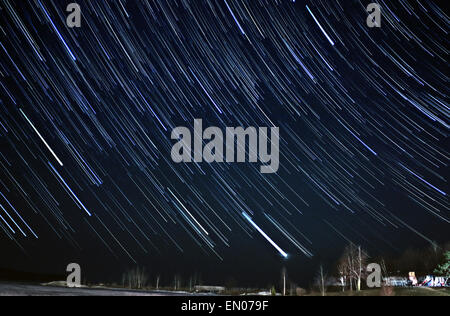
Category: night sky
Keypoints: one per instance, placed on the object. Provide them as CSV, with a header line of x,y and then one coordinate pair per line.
x,y
86,117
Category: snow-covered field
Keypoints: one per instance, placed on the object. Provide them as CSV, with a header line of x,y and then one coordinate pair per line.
x,y
10,289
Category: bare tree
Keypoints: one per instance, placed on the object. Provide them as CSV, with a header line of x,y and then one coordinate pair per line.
x,y
384,270
352,266
343,270
321,280
283,275
359,266
177,282
346,267
135,279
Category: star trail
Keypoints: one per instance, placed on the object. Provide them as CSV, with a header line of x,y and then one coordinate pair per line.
x,y
86,116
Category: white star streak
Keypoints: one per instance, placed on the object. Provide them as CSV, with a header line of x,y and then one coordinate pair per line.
x,y
70,190
42,138
320,26
184,208
284,254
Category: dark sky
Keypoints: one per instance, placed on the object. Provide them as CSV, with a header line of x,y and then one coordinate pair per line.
x,y
87,113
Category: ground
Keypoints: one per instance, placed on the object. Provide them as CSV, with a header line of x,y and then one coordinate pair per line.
x,y
9,289
396,292
13,289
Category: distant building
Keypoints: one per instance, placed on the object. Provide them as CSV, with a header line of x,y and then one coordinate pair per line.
x,y
396,281
413,279
209,289
432,281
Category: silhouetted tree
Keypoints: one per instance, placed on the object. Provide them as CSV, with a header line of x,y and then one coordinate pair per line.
x,y
444,269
